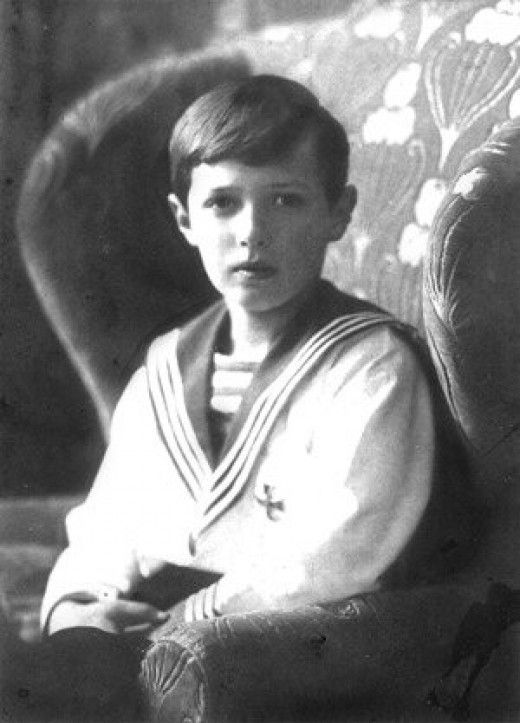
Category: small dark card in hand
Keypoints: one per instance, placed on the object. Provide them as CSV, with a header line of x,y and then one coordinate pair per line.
x,y
171,584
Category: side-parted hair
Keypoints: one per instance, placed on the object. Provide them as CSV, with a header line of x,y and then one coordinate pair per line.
x,y
256,121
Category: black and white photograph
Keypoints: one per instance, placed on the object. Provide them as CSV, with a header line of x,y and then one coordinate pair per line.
x,y
260,361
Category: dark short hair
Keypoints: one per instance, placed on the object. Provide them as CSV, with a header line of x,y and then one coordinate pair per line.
x,y
256,121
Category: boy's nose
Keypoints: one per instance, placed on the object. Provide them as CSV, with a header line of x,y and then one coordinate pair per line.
x,y
250,227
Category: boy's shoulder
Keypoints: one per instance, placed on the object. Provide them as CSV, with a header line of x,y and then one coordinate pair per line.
x,y
389,334
331,303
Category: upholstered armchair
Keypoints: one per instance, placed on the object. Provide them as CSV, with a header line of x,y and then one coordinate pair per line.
x,y
419,85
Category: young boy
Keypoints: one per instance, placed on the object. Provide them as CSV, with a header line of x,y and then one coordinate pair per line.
x,y
283,440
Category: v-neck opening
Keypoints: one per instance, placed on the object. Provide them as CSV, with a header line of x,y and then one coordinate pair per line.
x,y
199,340
267,371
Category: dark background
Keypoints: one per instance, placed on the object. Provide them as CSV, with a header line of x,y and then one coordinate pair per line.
x,y
52,51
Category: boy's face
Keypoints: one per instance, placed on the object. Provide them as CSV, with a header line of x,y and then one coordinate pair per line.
x,y
262,231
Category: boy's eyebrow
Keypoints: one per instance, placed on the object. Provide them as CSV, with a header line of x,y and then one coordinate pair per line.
x,y
227,187
275,185
288,184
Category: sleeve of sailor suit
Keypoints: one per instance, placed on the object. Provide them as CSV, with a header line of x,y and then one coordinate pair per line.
x,y
132,493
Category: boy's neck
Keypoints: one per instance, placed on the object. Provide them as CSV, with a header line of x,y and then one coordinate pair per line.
x,y
253,334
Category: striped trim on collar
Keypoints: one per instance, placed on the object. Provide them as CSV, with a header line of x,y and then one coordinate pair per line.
x,y
216,490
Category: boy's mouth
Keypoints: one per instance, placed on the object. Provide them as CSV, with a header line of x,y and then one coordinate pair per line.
x,y
253,270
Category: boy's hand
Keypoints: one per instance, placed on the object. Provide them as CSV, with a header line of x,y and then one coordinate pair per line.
x,y
112,616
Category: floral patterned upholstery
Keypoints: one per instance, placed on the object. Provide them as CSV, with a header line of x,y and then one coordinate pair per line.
x,y
417,84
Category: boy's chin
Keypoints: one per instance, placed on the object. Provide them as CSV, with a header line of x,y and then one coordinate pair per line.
x,y
258,303
248,305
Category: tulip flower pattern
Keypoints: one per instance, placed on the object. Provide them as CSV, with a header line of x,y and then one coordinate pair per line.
x,y
417,85
473,70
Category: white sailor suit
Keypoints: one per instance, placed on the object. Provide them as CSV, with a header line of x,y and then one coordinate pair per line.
x,y
321,483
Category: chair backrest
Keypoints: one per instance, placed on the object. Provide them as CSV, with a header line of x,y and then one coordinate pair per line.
x,y
417,84
471,314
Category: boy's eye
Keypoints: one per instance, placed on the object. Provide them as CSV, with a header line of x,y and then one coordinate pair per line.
x,y
287,200
221,204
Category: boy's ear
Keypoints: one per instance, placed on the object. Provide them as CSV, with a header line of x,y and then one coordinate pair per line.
x,y
343,211
181,216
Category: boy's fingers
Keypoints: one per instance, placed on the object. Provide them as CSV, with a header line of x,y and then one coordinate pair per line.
x,y
129,612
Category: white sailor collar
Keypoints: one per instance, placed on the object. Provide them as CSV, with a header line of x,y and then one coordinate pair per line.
x,y
180,365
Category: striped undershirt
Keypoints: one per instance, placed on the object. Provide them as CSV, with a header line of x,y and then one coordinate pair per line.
x,y
231,377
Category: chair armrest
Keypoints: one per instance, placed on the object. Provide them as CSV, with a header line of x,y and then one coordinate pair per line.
x,y
371,657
